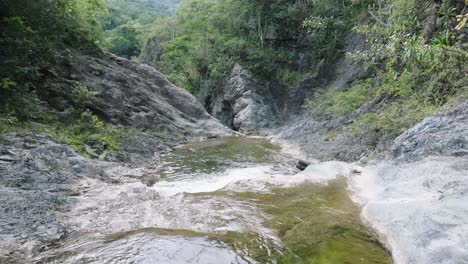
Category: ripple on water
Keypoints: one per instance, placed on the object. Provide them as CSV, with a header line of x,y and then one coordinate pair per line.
x,y
219,201
149,248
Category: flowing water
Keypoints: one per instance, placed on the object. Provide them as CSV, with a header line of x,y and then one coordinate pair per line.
x,y
226,200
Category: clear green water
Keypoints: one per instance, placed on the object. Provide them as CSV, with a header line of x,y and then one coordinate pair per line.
x,y
218,154
218,201
318,224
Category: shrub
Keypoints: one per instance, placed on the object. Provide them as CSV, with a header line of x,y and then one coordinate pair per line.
x,y
339,103
394,119
82,97
89,131
31,33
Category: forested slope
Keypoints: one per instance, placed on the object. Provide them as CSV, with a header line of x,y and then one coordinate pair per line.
x,y
279,40
56,77
374,67
129,23
369,69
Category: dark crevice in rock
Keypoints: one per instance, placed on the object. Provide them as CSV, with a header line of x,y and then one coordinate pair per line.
x,y
245,103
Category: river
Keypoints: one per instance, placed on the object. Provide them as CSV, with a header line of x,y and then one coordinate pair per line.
x,y
223,200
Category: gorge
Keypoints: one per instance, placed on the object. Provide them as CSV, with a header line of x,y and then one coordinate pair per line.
x,y
105,159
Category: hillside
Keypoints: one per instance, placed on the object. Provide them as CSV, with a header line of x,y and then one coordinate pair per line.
x,y
366,71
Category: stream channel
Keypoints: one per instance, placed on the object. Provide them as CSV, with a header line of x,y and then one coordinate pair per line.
x,y
223,200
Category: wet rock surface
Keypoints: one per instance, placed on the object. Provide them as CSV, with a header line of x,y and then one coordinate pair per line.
x,y
414,197
37,178
302,165
245,104
148,249
418,208
81,210
183,217
42,180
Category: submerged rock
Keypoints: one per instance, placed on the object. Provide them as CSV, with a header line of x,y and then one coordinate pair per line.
x,y
150,248
245,104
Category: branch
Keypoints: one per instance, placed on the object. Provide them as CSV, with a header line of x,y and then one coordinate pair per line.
x,y
378,19
455,50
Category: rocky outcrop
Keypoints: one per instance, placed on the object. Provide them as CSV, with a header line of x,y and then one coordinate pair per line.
x,y
321,137
345,70
323,140
36,178
443,134
418,208
130,94
245,104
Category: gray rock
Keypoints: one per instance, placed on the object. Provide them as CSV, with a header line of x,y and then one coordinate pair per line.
x,y
91,151
131,94
345,70
245,104
7,158
312,136
302,165
33,189
443,134
40,178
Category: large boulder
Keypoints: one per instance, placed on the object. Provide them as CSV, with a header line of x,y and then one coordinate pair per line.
x,y
442,134
245,104
131,94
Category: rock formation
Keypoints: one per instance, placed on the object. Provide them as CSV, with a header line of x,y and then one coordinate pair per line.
x,y
245,103
131,94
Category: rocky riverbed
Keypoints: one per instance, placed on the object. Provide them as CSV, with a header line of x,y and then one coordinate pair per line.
x,y
211,204
228,199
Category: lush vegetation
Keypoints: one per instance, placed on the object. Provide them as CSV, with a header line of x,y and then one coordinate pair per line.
x,y
32,34
420,58
199,46
83,132
130,21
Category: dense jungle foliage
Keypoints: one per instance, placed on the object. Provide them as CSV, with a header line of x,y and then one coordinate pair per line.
x,y
416,52
32,32
130,22
198,47
419,55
